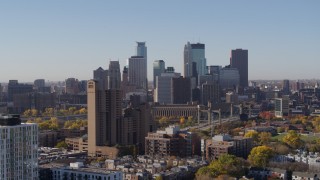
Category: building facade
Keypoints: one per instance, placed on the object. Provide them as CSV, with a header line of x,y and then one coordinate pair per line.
x,y
104,114
195,62
18,149
163,92
170,142
181,90
225,144
114,75
239,60
137,71
158,68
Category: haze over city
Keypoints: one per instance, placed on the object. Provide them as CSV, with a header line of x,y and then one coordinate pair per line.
x,y
61,39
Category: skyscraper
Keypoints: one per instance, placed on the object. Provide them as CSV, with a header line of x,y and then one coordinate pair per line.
x,y
194,60
142,49
181,90
114,75
100,75
104,113
286,87
39,83
158,68
162,93
239,60
138,71
18,149
72,86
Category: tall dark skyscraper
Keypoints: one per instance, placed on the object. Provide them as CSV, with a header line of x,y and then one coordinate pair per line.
x,y
114,75
239,60
101,76
286,87
181,90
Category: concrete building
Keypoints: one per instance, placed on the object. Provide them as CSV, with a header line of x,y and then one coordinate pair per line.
x,y
170,142
16,88
181,90
159,67
195,63
100,75
210,92
163,92
135,125
72,86
239,60
38,101
48,138
286,87
137,71
39,83
104,114
18,149
78,171
231,97
176,110
114,76
281,106
229,78
225,144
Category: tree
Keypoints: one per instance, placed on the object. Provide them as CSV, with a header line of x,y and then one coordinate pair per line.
x,y
226,164
62,144
260,155
163,121
293,139
83,111
280,129
252,134
34,112
264,138
182,120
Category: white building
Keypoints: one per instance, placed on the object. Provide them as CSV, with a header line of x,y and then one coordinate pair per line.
x,y
18,149
78,171
281,107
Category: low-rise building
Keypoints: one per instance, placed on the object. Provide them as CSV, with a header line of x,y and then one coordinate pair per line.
x,y
170,142
78,171
48,138
225,144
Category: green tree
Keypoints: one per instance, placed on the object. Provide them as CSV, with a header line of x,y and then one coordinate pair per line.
x,y
293,139
34,112
264,138
252,134
163,121
260,155
159,178
62,144
226,164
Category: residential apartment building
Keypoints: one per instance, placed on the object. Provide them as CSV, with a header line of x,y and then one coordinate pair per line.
x,y
225,144
18,149
170,142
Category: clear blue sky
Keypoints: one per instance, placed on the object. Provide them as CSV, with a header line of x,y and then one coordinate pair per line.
x,y
60,39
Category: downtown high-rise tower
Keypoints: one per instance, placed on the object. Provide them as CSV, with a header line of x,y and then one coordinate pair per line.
x,y
195,63
239,60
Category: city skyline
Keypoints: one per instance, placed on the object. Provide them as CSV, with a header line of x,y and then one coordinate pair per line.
x,y
58,40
